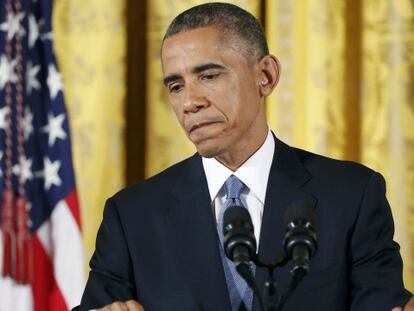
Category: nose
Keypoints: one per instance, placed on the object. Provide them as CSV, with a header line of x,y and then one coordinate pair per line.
x,y
194,99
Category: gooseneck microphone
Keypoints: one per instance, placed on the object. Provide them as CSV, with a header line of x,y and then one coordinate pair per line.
x,y
239,240
299,243
300,240
240,244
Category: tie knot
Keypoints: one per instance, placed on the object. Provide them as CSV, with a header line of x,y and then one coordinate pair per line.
x,y
233,187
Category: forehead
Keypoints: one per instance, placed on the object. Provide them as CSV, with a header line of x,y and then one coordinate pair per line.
x,y
190,48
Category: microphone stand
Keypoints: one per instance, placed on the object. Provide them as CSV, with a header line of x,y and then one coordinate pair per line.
x,y
299,245
270,300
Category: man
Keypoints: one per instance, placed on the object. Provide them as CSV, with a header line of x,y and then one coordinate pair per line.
x,y
160,241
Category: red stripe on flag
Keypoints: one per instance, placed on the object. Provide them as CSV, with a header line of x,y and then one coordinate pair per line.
x,y
46,293
56,300
73,203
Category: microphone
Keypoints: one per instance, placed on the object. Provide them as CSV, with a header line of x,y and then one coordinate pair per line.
x,y
239,241
300,242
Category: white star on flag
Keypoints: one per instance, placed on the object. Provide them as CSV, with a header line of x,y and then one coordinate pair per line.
x,y
34,30
7,73
27,123
50,173
54,128
24,169
12,25
46,36
3,117
31,80
54,81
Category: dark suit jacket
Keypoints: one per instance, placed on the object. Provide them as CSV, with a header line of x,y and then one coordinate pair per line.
x,y
158,244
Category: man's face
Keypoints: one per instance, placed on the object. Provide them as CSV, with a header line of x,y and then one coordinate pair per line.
x,y
214,91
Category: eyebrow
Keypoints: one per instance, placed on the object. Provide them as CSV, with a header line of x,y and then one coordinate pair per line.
x,y
197,69
207,66
171,78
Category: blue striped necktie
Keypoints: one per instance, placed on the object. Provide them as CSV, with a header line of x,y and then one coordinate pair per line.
x,y
240,293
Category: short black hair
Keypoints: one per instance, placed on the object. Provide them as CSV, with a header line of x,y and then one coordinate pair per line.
x,y
229,18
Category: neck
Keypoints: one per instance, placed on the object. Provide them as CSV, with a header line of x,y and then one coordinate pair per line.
x,y
233,160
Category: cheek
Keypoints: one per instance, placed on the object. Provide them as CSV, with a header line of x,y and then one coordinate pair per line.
x,y
228,100
177,111
249,99
239,104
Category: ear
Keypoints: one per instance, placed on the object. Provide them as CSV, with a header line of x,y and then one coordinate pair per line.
x,y
269,74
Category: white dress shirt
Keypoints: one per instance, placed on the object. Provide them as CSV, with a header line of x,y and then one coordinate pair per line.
x,y
254,173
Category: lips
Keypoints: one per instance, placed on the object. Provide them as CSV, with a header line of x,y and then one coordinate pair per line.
x,y
199,125
195,125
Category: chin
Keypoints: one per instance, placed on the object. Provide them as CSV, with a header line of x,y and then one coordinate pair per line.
x,y
208,151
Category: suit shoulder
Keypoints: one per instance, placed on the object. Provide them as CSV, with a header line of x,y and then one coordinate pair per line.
x,y
322,166
158,184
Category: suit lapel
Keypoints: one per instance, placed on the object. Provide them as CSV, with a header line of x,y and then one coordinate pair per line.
x,y
196,239
286,178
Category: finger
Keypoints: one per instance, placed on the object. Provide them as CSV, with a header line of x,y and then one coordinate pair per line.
x,y
134,306
410,305
122,306
116,306
396,309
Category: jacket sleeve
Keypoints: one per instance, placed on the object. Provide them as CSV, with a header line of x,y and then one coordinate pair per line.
x,y
376,276
111,275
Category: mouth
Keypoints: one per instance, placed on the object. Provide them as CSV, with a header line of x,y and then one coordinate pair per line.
x,y
199,125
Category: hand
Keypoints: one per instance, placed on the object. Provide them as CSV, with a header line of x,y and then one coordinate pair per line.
x,y
408,307
130,305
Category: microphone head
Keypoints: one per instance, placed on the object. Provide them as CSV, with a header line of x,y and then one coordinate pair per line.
x,y
300,210
300,232
238,233
236,216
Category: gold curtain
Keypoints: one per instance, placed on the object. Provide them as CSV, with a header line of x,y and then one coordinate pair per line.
x,y
347,90
387,105
166,142
308,106
90,43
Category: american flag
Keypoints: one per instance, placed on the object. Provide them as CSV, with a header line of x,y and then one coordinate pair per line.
x,y
41,262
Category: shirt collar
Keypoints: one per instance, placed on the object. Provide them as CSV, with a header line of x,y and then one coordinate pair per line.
x,y
254,173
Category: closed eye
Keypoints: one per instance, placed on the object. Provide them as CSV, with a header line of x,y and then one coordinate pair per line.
x,y
210,76
175,87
